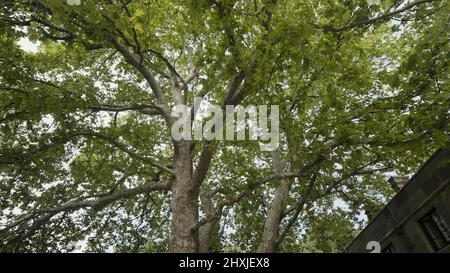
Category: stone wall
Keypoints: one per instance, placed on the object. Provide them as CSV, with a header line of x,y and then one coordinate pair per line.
x,y
398,224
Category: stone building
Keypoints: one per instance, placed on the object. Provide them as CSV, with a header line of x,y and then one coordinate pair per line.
x,y
417,219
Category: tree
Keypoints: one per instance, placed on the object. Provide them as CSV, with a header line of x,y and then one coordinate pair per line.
x,y
86,151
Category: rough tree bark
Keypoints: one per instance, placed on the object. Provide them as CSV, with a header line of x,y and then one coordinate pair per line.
x,y
184,202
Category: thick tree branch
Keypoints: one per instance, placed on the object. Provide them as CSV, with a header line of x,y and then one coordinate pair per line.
x,y
148,76
142,108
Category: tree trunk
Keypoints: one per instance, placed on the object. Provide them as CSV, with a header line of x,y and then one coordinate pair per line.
x,y
207,230
184,202
269,238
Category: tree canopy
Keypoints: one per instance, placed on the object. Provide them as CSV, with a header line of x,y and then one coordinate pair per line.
x,y
86,153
